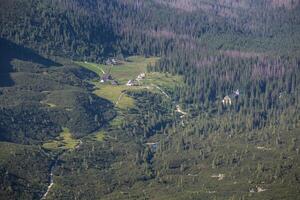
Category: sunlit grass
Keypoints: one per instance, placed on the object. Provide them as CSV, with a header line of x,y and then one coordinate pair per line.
x,y
114,94
164,80
97,68
63,141
99,136
128,70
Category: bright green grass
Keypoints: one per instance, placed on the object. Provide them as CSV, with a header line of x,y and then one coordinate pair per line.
x,y
99,136
163,80
64,141
114,94
97,68
132,68
128,70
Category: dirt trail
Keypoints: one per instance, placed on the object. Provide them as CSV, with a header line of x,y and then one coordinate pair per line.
x,y
120,97
160,90
102,70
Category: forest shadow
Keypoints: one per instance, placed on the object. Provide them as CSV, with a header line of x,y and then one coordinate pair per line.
x,y
10,51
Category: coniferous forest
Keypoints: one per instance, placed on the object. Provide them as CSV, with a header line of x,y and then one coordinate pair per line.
x,y
150,99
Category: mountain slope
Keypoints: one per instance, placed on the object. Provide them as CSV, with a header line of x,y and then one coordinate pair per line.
x,y
202,101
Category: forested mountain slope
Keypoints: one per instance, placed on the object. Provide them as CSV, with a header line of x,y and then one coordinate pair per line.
x,y
209,109
96,28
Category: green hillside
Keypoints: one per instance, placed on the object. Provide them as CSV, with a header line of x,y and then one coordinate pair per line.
x,y
149,99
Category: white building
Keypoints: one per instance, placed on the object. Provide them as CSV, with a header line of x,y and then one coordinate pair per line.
x,y
129,83
226,101
141,76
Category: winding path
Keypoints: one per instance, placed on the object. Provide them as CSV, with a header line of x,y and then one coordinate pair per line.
x,y
160,90
102,70
120,97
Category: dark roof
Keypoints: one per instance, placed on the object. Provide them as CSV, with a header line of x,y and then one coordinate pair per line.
x,y
106,77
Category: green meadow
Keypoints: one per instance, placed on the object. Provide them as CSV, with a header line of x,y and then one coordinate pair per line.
x,y
126,70
63,141
129,70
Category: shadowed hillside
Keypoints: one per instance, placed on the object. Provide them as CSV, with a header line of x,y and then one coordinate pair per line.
x,y
150,99
10,51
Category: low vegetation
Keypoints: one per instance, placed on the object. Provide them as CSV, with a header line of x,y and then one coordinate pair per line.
x,y
215,116
129,70
116,94
64,141
126,70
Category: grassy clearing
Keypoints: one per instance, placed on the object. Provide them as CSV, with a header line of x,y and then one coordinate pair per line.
x,y
96,136
113,94
129,69
99,136
64,141
163,80
116,94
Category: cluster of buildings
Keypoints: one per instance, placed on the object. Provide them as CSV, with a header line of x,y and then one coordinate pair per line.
x,y
108,78
112,61
137,80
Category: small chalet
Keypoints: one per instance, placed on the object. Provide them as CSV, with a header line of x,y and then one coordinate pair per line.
x,y
227,101
141,76
106,77
112,61
130,83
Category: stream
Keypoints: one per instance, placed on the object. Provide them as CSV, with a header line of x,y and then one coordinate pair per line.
x,y
54,163
52,167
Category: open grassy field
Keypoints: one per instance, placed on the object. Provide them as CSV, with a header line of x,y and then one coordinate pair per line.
x,y
97,68
64,141
97,136
163,80
129,70
115,94
125,71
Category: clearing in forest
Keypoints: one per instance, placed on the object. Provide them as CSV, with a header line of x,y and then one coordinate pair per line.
x,y
127,70
63,141
130,69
